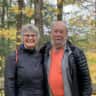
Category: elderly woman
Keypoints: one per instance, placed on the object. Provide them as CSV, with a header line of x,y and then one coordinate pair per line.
x,y
25,77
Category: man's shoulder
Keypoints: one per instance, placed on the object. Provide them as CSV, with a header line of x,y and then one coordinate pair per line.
x,y
45,47
75,49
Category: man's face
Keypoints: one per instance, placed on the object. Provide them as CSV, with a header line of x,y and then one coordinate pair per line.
x,y
30,40
58,34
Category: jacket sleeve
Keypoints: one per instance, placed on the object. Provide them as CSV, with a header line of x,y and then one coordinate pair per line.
x,y
84,79
9,76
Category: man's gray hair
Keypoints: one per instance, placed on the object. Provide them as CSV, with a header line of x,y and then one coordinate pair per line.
x,y
30,28
64,22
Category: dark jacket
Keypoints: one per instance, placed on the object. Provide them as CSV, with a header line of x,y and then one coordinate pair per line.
x,y
25,78
78,76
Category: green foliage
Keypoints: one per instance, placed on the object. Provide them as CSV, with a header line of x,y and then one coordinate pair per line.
x,y
4,51
5,46
49,13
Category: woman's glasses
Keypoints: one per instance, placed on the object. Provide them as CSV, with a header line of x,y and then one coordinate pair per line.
x,y
29,35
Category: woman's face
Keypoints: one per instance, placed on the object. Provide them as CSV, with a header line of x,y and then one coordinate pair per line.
x,y
30,40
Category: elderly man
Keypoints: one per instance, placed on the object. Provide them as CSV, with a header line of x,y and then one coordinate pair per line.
x,y
66,66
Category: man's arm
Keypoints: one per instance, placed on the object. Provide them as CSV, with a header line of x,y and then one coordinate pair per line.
x,y
84,79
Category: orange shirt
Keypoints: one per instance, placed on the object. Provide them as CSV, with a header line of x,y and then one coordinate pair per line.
x,y
55,74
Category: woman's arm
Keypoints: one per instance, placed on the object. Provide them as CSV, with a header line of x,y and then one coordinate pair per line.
x,y
10,70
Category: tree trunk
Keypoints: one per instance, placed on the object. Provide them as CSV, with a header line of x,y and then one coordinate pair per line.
x,y
9,2
38,15
20,15
3,14
60,9
19,20
31,1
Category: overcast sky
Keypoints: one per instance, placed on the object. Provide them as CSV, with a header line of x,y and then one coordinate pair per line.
x,y
53,1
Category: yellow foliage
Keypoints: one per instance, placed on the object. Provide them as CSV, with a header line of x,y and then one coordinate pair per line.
x,y
49,19
56,10
92,68
28,11
0,58
8,33
72,21
60,1
18,43
50,9
15,9
93,43
92,65
91,57
19,36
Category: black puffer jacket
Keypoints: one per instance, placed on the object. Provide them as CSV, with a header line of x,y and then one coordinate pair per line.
x,y
79,73
26,78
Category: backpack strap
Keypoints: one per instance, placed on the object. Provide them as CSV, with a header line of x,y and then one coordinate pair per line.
x,y
16,55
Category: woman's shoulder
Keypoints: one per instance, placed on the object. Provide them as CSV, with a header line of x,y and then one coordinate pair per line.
x,y
12,54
